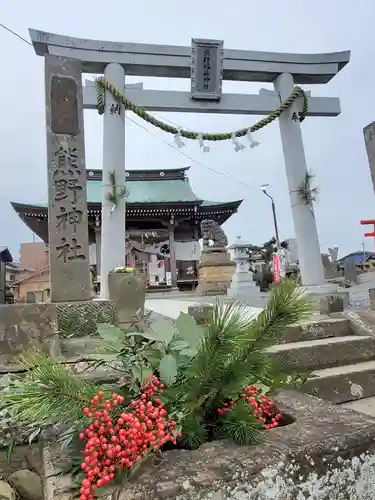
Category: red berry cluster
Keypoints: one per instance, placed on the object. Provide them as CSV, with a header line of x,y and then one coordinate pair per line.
x,y
262,406
117,439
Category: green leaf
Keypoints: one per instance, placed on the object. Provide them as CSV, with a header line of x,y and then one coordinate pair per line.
x,y
178,345
9,451
188,329
189,352
162,331
110,333
263,389
141,372
154,356
168,369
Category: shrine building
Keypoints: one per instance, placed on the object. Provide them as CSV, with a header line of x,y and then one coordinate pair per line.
x,y
163,218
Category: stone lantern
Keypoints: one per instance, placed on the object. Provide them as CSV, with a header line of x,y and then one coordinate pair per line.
x,y
242,286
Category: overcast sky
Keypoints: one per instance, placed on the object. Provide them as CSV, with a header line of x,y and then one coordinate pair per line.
x,y
335,147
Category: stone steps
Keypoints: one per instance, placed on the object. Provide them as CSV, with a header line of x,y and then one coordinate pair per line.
x,y
366,405
323,353
319,328
344,383
340,356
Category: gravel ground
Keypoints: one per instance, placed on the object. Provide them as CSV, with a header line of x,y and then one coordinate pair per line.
x,y
359,296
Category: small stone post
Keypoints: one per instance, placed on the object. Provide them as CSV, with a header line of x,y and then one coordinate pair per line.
x,y
243,285
350,271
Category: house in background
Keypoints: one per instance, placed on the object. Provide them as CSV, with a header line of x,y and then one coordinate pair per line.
x,y
32,286
13,270
28,279
356,257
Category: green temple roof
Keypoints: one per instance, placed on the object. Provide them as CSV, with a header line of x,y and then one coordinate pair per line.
x,y
153,195
170,186
144,191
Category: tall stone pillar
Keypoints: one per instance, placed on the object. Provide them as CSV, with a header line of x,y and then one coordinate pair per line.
x,y
113,218
67,198
311,267
172,253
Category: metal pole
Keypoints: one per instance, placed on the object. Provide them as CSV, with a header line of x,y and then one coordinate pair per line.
x,y
274,219
275,224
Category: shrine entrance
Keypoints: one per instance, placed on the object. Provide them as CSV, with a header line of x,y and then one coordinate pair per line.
x,y
207,63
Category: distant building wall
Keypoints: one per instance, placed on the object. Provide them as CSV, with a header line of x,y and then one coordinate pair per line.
x,y
369,135
33,255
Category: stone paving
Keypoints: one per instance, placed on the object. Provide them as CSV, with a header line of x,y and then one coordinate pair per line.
x,y
359,297
171,307
170,304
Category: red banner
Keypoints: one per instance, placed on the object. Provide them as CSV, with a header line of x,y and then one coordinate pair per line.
x,y
276,268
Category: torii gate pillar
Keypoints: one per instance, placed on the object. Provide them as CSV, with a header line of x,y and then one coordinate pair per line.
x,y
309,256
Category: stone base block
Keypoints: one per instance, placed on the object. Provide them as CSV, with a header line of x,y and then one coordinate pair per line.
x,y
331,304
314,330
212,288
79,319
129,293
201,313
213,258
26,326
248,293
215,274
337,301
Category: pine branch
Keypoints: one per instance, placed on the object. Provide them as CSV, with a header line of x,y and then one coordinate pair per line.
x,y
307,192
287,305
194,433
240,425
232,352
49,393
220,342
114,196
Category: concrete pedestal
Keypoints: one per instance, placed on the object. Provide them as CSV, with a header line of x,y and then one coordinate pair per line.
x,y
325,295
215,273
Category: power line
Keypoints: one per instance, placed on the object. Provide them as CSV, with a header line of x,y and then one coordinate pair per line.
x,y
191,158
15,34
154,135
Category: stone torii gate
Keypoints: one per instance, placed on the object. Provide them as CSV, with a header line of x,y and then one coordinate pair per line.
x,y
67,58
